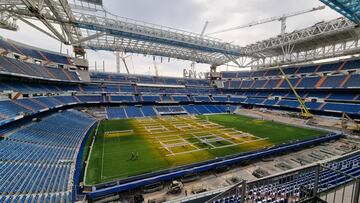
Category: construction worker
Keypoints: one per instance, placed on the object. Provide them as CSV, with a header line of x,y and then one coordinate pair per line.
x,y
132,156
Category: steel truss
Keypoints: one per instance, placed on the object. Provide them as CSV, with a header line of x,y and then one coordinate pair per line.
x,y
323,40
111,43
86,26
56,16
90,26
8,22
123,34
348,8
329,51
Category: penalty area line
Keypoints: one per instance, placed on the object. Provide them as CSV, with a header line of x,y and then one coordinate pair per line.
x,y
102,157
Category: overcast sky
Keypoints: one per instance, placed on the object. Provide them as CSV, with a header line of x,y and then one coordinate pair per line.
x,y
190,15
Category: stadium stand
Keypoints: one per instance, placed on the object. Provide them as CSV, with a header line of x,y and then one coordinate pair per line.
x,y
148,111
53,110
328,89
38,166
133,112
151,98
138,112
314,83
116,113
295,187
170,110
21,68
17,66
32,52
124,98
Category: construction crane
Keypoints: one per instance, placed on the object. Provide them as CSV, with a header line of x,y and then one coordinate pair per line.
x,y
193,64
282,19
305,113
156,68
204,29
121,56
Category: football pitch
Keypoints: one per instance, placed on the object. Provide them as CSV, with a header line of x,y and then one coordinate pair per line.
x,y
129,147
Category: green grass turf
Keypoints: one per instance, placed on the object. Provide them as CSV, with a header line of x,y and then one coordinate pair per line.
x,y
277,133
110,156
87,150
116,153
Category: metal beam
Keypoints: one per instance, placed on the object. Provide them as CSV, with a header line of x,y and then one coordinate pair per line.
x,y
348,8
88,38
37,28
95,28
156,35
8,22
304,56
36,10
146,48
318,31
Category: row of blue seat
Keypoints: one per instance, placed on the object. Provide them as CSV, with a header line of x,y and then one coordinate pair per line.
x,y
33,52
330,67
15,66
37,159
128,112
150,94
27,88
312,82
208,109
291,189
144,111
170,109
176,95
147,79
46,198
340,96
14,109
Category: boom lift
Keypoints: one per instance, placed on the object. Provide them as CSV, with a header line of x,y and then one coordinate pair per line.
x,y
305,113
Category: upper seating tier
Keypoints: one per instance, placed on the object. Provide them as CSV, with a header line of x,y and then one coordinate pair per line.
x,y
15,66
309,69
145,79
32,52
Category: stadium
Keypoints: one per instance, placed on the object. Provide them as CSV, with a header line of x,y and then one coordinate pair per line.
x,y
273,120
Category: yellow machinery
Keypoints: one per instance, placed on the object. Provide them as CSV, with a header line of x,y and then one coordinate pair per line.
x,y
305,113
344,126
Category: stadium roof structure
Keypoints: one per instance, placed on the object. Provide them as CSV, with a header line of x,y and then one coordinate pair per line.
x,y
91,26
323,40
348,8
86,24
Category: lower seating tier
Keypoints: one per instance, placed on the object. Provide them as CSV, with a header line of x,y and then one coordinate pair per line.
x,y
293,188
124,112
37,160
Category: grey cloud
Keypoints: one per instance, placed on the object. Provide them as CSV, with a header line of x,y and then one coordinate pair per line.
x,y
181,14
